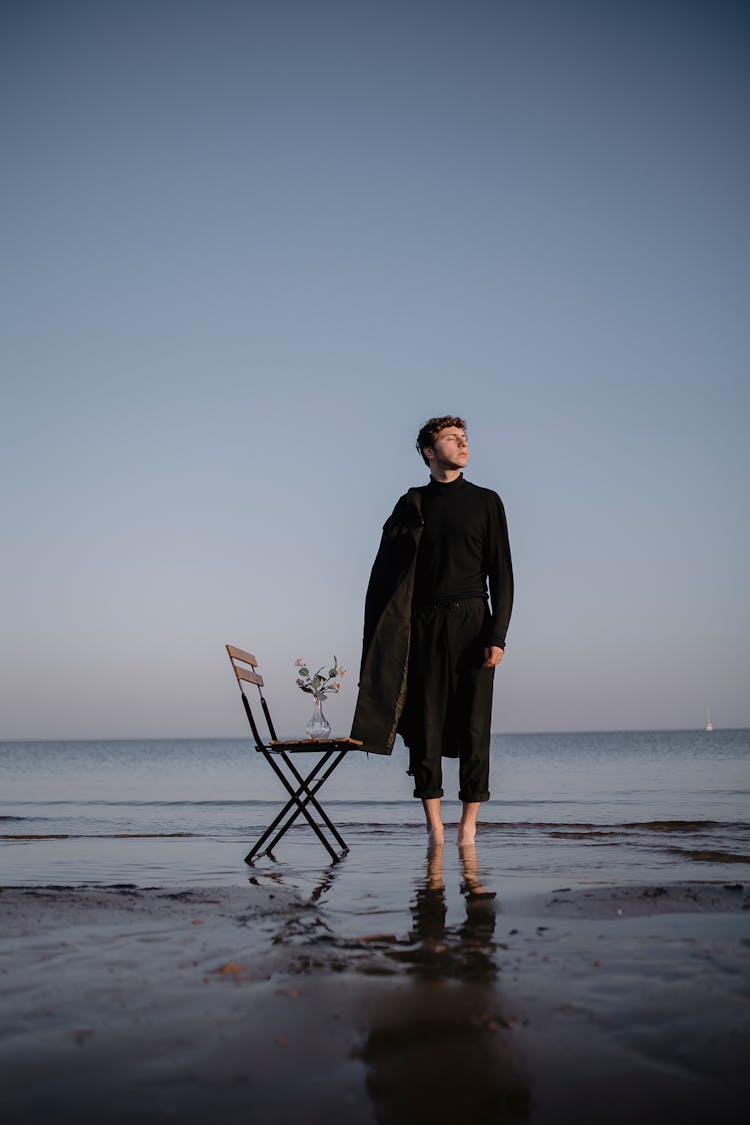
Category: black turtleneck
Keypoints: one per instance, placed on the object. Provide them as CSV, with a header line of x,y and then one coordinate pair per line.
x,y
464,547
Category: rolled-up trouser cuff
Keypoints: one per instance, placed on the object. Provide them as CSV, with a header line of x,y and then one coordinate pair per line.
x,y
470,798
431,795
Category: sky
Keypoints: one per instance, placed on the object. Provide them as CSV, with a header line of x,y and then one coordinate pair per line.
x,y
249,248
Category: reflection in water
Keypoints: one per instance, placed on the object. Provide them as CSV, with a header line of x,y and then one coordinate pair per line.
x,y
440,952
440,1051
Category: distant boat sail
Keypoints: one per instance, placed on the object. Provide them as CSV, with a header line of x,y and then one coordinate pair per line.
x,y
709,724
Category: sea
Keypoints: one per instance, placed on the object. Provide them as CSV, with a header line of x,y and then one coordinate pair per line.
x,y
590,808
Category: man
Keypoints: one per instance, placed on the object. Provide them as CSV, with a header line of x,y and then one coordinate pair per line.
x,y
431,641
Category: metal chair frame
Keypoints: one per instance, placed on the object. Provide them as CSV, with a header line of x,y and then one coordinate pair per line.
x,y
302,789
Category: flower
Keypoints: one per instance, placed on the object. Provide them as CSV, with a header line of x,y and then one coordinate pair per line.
x,y
318,684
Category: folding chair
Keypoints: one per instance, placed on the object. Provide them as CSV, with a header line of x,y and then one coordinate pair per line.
x,y
301,789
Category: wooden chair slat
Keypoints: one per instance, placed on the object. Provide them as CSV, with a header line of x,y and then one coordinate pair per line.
x,y
240,654
246,674
305,745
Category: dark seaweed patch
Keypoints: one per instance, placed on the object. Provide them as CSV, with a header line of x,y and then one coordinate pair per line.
x,y
706,856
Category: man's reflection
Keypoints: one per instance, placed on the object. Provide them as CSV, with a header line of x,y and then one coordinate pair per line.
x,y
441,1051
464,952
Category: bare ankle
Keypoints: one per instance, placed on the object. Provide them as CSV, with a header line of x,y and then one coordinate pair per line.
x,y
467,827
431,806
435,834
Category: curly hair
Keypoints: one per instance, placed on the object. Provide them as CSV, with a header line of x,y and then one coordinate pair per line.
x,y
431,429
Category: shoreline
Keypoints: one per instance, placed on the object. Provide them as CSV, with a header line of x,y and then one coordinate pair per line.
x,y
582,1004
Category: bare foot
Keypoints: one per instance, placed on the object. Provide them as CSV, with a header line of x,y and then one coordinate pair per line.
x,y
467,825
435,835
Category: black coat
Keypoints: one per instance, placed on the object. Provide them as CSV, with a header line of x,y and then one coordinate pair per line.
x,y
387,629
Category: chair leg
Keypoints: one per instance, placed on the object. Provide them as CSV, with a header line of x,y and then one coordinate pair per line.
x,y
310,799
295,800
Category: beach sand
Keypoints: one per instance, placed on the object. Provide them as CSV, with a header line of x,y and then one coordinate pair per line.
x,y
615,1004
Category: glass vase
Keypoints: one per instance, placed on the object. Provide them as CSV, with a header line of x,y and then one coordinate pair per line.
x,y
318,727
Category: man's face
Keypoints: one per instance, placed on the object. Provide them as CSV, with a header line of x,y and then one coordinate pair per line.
x,y
451,449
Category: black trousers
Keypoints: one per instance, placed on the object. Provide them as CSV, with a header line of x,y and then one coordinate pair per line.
x,y
449,698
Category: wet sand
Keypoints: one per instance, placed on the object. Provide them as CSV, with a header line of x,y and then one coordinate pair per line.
x,y
584,1004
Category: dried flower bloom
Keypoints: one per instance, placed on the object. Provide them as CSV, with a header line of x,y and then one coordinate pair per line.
x,y
319,684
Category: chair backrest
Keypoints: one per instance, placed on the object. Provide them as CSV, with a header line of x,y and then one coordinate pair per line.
x,y
244,665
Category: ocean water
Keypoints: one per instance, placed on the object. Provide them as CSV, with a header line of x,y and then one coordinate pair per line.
x,y
586,808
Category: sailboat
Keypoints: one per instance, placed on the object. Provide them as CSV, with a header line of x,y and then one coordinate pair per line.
x,y
709,724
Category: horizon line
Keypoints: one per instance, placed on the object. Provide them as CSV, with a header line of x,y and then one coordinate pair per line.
x,y
235,737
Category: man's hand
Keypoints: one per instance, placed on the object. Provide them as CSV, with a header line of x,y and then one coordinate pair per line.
x,y
492,656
